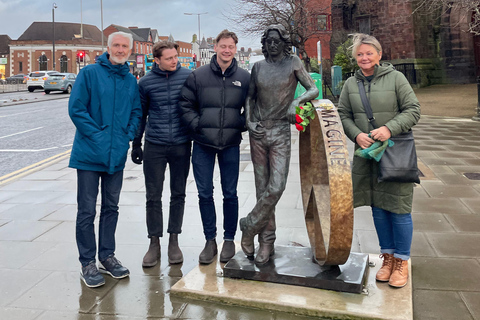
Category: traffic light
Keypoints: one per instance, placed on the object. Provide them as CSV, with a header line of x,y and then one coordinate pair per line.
x,y
80,56
194,57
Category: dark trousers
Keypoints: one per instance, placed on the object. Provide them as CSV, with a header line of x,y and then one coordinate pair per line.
x,y
87,191
155,160
203,160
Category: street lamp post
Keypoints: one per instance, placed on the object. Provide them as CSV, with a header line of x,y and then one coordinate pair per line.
x,y
197,14
101,13
54,6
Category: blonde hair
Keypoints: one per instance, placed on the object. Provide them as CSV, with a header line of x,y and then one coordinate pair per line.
x,y
361,38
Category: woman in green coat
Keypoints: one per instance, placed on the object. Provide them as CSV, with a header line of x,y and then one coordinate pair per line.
x,y
395,109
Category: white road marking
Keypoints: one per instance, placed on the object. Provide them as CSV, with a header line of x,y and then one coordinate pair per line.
x,y
14,134
20,113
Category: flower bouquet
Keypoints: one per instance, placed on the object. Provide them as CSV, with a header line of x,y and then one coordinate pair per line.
x,y
304,115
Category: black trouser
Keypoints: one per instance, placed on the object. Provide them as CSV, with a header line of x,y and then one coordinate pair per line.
x,y
155,161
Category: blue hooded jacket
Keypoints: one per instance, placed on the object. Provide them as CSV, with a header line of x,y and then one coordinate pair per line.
x,y
105,108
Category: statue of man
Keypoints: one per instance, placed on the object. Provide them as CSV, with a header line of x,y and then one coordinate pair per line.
x,y
270,109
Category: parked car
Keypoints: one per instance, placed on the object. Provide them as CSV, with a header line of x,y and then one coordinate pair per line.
x,y
18,78
36,79
59,82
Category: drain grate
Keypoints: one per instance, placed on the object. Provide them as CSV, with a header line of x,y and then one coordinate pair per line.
x,y
472,175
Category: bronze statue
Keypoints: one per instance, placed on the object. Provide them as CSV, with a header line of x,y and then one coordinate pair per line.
x,y
270,110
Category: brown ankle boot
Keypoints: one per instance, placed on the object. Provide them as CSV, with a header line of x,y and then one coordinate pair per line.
x,y
152,256
399,275
209,252
175,255
386,270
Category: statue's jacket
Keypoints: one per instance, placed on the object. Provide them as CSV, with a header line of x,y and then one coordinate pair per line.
x,y
212,104
395,106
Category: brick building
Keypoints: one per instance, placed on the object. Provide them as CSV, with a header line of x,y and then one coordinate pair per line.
x,y
321,23
33,49
4,56
432,48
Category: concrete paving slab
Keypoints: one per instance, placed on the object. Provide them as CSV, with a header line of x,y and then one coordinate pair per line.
x,y
381,302
10,257
465,222
31,212
16,282
25,230
455,245
446,274
435,305
431,222
19,314
472,300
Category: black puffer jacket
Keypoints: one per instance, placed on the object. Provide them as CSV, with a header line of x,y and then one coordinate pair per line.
x,y
159,94
212,104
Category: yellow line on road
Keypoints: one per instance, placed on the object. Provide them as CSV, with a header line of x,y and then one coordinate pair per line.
x,y
34,167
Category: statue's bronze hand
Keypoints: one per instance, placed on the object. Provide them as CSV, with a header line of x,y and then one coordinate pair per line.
x,y
255,130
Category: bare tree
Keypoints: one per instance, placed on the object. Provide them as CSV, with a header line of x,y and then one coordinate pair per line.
x,y
299,17
470,9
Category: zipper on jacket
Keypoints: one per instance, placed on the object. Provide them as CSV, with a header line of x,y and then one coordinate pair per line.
x,y
222,113
113,119
169,109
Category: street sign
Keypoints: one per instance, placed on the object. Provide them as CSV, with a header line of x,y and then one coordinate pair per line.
x,y
3,60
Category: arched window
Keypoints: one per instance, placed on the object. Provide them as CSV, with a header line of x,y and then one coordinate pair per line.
x,y
42,62
63,63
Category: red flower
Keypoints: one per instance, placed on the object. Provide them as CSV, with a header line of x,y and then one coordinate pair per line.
x,y
299,127
298,118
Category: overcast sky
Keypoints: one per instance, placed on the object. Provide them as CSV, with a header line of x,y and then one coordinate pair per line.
x,y
167,16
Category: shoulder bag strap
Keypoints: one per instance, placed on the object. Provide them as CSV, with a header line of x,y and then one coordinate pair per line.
x,y
366,104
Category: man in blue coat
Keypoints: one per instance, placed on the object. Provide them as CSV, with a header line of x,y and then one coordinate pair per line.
x,y
105,109
166,142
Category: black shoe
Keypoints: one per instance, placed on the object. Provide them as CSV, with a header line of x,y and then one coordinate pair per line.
x,y
209,252
228,251
91,277
114,268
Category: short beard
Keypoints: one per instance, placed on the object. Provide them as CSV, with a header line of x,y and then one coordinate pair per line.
x,y
118,61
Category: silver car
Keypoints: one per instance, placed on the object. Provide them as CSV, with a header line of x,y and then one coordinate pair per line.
x,y
59,82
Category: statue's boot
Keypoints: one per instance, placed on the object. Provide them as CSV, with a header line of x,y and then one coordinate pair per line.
x,y
265,251
266,238
247,238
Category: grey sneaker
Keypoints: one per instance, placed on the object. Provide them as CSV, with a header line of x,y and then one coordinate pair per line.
x,y
91,277
113,267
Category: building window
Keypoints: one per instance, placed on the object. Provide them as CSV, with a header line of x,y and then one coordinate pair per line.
x,y
63,63
323,22
363,25
42,62
20,66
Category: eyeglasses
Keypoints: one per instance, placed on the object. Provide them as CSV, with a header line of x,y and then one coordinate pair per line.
x,y
274,41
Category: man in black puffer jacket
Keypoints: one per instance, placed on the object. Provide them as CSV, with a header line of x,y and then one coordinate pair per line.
x,y
166,141
212,101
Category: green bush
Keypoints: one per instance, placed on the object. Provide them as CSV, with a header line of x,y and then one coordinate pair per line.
x,y
344,59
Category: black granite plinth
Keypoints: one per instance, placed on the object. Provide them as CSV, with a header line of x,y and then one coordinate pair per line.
x,y
294,265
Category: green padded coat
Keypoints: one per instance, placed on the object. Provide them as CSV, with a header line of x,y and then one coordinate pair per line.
x,y
395,106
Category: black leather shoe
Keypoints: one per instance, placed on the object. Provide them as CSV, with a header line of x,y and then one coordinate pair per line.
x,y
209,252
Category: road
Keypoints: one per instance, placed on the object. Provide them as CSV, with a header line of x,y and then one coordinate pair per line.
x,y
35,131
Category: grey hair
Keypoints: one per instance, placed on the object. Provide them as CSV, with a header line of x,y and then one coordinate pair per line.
x,y
120,33
362,38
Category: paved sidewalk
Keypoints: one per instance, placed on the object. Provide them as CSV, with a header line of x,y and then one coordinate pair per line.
x,y
39,268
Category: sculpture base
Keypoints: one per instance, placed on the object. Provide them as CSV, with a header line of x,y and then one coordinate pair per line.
x,y
379,301
294,265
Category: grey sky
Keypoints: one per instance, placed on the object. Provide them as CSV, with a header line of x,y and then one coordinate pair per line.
x,y
167,16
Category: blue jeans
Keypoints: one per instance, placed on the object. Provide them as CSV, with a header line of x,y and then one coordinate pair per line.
x,y
155,160
203,160
87,191
394,231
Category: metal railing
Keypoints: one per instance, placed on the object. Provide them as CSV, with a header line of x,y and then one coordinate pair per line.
x,y
12,87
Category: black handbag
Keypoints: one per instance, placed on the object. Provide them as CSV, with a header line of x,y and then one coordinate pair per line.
x,y
399,162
